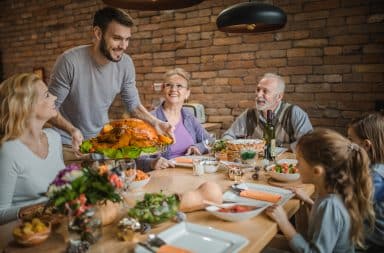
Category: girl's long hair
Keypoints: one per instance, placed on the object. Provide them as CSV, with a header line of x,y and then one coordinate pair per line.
x,y
371,127
347,173
18,96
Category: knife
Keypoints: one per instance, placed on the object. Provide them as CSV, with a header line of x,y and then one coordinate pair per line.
x,y
146,246
255,194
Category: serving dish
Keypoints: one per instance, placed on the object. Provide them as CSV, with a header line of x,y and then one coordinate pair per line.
x,y
197,238
32,233
284,171
236,216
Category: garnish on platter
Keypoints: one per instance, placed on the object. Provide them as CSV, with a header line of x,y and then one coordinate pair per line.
x,y
126,138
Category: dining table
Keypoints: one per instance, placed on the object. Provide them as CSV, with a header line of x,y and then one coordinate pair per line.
x,y
259,230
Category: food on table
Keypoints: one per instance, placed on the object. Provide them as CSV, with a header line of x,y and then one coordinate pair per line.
x,y
194,200
235,146
171,249
44,213
141,175
126,138
237,209
285,168
155,208
31,233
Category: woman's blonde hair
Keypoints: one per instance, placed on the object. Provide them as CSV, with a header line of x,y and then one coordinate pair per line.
x,y
18,95
371,127
177,71
347,173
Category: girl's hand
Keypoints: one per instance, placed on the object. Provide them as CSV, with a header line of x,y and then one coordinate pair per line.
x,y
277,213
193,150
301,194
162,163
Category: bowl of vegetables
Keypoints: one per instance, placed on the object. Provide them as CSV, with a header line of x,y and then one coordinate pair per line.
x,y
284,171
141,179
155,208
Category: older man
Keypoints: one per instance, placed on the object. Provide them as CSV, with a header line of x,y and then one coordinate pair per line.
x,y
290,121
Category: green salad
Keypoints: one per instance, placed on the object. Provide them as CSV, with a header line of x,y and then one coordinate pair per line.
x,y
155,208
125,152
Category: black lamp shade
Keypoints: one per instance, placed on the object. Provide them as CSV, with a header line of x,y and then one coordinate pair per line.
x,y
251,17
152,4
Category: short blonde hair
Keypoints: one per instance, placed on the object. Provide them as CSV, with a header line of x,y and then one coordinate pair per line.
x,y
18,95
177,71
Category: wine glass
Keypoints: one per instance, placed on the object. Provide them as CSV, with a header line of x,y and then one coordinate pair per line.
x,y
209,141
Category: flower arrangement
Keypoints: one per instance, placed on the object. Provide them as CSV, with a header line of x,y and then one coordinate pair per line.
x,y
77,188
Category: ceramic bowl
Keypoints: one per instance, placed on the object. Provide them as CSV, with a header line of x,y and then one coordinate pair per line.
x,y
235,216
34,238
284,177
210,166
139,184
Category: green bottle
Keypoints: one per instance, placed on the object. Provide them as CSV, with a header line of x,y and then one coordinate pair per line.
x,y
269,137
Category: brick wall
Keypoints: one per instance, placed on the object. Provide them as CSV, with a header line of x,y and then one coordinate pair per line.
x,y
331,53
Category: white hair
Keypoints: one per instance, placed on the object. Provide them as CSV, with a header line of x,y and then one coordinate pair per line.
x,y
279,79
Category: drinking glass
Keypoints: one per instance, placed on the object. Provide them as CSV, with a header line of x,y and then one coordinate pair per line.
x,y
209,141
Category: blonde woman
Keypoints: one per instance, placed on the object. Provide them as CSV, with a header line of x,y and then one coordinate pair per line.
x,y
30,156
188,132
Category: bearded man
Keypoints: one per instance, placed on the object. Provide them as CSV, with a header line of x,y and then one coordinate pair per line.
x,y
290,121
87,78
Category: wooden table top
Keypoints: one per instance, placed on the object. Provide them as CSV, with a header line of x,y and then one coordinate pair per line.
x,y
259,230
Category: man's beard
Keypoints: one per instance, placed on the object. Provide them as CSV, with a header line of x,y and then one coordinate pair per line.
x,y
267,105
104,51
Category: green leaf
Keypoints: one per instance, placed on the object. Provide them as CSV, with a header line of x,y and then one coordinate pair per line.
x,y
85,147
149,150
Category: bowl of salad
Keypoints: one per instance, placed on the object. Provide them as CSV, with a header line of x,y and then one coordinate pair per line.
x,y
155,208
284,171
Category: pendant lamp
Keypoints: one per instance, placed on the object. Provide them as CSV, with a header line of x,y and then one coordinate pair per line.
x,y
251,17
152,4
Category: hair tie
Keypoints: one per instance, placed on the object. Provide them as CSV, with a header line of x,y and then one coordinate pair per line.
x,y
353,146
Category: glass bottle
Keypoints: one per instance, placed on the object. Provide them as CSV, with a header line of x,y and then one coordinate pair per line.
x,y
269,137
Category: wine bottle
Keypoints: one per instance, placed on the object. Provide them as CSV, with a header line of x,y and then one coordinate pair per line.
x,y
269,137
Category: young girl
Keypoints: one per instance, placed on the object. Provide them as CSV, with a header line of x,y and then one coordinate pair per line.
x,y
368,132
339,169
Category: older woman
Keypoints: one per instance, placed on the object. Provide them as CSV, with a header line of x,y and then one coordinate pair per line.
x,y
188,132
30,156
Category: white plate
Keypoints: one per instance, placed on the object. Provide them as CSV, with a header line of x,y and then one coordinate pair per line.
x,y
197,238
193,157
230,196
236,216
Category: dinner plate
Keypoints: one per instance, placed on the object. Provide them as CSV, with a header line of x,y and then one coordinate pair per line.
x,y
231,196
197,238
189,164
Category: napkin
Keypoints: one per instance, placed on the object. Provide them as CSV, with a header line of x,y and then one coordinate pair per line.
x,y
171,249
183,160
260,195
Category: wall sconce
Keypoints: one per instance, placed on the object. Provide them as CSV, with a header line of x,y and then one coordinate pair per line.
x,y
152,4
251,17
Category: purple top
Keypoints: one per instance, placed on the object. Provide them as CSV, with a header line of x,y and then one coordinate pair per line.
x,y
183,141
191,125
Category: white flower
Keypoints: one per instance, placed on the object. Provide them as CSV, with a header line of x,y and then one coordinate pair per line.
x,y
69,177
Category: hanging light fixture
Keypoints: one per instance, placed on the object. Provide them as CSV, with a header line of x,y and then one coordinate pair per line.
x,y
152,4
251,17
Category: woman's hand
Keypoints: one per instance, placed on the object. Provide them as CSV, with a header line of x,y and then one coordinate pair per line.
x,y
162,163
193,150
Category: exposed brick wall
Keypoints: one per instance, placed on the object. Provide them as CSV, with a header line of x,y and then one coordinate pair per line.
x,y
331,53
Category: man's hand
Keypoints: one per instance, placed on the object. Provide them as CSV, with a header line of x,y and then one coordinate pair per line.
x,y
165,128
77,139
